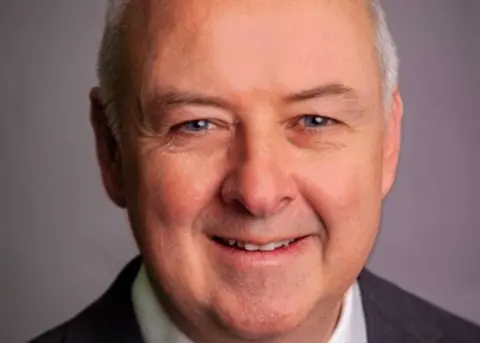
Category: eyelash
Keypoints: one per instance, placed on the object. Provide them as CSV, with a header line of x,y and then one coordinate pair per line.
x,y
180,128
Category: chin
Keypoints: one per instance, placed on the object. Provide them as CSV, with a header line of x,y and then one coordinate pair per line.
x,y
260,322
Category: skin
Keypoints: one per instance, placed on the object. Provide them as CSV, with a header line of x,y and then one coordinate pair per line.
x,y
271,159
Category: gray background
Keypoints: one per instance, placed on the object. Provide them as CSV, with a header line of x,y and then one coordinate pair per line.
x,y
62,242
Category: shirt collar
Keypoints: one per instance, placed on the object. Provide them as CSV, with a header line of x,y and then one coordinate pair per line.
x,y
156,327
351,327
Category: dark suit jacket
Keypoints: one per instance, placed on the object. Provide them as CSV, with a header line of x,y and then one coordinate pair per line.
x,y
392,316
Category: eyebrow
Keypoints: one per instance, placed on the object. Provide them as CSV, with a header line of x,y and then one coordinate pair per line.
x,y
328,90
175,98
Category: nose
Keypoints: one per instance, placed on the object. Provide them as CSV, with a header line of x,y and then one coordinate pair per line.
x,y
260,183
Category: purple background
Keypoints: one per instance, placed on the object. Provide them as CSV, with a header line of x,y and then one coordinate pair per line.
x,y
62,242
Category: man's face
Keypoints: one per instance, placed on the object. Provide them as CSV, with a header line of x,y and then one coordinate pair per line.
x,y
259,122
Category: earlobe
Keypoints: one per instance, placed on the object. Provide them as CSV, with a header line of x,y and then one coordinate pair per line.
x,y
108,152
392,142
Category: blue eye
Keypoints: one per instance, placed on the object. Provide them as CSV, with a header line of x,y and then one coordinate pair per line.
x,y
196,125
313,121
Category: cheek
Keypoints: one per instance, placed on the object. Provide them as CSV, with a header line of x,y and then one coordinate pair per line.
x,y
168,198
176,189
344,189
344,182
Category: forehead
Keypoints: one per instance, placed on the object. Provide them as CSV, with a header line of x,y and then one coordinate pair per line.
x,y
261,44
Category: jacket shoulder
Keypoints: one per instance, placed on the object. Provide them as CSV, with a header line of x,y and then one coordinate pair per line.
x,y
109,319
55,335
87,326
417,316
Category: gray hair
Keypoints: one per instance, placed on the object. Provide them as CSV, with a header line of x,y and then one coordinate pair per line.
x,y
110,65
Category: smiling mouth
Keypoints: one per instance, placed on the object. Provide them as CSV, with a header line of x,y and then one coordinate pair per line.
x,y
246,246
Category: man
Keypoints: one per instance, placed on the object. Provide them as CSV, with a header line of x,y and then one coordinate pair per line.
x,y
252,144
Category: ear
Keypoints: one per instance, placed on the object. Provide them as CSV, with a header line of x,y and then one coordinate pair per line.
x,y
108,150
392,142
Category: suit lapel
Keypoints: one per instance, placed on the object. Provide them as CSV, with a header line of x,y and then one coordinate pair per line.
x,y
390,319
123,326
380,329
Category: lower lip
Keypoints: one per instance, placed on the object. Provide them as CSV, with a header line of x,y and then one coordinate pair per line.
x,y
240,258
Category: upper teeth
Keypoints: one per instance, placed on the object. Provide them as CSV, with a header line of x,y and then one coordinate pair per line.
x,y
254,247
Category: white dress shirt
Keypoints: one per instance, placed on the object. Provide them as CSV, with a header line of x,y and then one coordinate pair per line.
x,y
156,327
